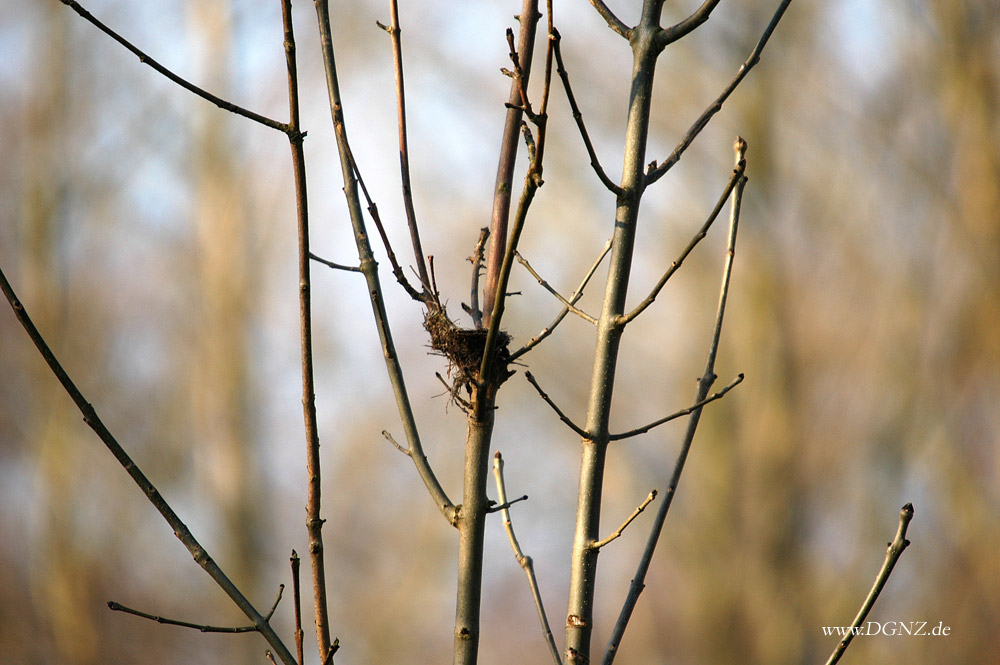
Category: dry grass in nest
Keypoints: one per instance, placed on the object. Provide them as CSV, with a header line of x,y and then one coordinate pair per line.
x,y
463,347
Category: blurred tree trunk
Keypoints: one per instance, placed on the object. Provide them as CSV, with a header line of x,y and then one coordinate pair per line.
x,y
61,572
223,443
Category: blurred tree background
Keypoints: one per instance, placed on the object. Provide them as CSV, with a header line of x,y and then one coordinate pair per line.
x,y
151,236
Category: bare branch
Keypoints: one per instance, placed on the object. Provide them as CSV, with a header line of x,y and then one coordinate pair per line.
x,y
620,530
388,437
679,30
613,21
477,267
453,391
704,384
892,554
180,529
331,264
545,285
518,76
507,504
118,607
702,232
522,559
314,521
578,117
562,416
427,295
297,608
395,34
679,414
146,60
534,341
657,172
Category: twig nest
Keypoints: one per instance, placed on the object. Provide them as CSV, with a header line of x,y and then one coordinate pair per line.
x,y
464,347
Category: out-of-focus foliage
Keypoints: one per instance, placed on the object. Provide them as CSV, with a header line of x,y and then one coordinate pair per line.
x,y
151,236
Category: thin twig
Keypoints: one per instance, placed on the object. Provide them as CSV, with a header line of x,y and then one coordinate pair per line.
x,y
146,60
892,554
704,384
702,232
180,529
578,117
545,285
331,264
679,414
562,416
297,607
613,21
620,530
534,341
397,270
523,560
507,504
388,437
679,30
453,392
118,607
657,172
517,76
477,267
395,35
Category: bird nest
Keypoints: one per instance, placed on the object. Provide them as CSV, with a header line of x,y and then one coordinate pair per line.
x,y
464,348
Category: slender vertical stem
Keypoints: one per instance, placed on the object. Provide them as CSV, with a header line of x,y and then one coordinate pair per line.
x,y
404,150
297,607
508,155
314,523
579,622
